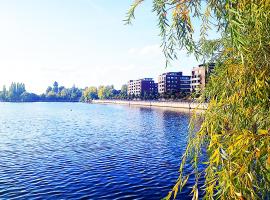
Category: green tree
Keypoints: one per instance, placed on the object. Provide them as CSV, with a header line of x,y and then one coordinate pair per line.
x,y
236,126
106,92
123,93
3,94
15,91
51,96
145,96
60,89
55,87
49,89
63,93
75,94
29,97
101,93
109,92
90,93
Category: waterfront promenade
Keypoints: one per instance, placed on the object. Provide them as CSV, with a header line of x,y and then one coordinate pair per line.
x,y
164,104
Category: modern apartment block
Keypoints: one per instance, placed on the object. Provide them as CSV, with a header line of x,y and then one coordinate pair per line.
x,y
145,86
200,75
173,82
185,84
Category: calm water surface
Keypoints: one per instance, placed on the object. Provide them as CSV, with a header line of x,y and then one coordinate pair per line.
x,y
82,151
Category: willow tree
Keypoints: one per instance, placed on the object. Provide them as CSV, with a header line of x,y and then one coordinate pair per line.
x,y
236,128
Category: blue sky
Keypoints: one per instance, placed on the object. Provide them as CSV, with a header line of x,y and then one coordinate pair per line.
x,y
82,42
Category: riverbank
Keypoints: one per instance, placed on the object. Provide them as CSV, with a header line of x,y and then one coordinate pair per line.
x,y
163,104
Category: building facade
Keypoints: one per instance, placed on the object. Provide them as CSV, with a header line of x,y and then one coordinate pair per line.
x,y
173,82
199,76
185,84
142,87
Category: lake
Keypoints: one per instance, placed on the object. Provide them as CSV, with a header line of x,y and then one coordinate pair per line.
x,y
89,151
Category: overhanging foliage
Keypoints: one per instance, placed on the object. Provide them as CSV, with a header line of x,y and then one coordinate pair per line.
x,y
236,126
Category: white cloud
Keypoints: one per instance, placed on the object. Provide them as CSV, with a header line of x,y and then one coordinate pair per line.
x,y
149,50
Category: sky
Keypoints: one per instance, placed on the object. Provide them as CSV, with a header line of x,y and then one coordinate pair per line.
x,y
82,42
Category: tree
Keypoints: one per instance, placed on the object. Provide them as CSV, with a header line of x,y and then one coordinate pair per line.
x,y
15,91
42,97
123,93
49,89
236,126
108,92
115,94
75,94
105,92
51,96
90,93
61,88
101,90
3,94
18,93
55,87
29,97
63,93
145,96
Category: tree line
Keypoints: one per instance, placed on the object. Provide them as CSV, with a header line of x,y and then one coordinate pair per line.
x,y
104,92
108,92
55,93
16,92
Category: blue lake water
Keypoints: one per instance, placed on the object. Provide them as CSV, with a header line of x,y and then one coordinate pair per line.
x,y
82,151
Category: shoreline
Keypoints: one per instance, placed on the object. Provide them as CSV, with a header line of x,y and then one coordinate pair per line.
x,y
160,104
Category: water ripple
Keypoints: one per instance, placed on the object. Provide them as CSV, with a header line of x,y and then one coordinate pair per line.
x,y
48,151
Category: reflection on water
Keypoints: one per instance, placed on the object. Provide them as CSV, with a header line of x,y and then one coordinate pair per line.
x,y
73,150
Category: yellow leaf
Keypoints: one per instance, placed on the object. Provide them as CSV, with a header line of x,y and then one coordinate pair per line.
x,y
268,160
195,194
175,189
258,153
242,170
262,132
168,197
250,177
185,181
239,194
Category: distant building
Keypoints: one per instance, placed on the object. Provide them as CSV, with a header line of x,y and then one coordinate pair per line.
x,y
200,75
173,82
140,87
185,84
156,88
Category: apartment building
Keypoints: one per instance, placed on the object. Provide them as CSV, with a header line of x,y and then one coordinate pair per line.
x,y
145,86
200,75
185,84
173,82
